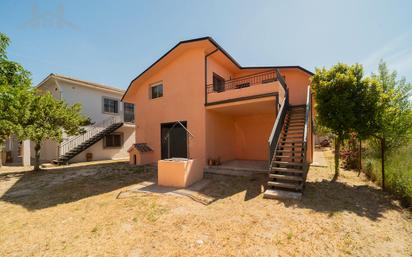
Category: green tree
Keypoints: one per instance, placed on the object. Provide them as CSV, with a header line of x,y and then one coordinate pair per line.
x,y
394,116
49,119
15,94
343,102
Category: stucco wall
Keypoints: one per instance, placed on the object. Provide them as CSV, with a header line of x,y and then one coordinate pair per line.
x,y
183,100
251,136
297,82
48,150
101,153
220,136
90,99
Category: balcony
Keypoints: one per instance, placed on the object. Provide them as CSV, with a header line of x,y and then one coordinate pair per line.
x,y
242,88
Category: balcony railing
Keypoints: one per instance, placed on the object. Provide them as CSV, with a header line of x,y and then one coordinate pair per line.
x,y
243,82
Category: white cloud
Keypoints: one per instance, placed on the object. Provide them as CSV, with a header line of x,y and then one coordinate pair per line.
x,y
397,53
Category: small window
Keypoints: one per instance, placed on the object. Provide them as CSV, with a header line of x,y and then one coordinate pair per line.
x,y
156,91
110,105
218,83
113,140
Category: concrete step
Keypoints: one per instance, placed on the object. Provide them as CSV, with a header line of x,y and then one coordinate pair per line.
x,y
281,195
286,170
286,177
239,172
281,147
289,156
291,136
289,151
285,185
291,142
289,163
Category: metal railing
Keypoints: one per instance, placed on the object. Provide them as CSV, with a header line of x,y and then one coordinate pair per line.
x,y
280,119
306,131
242,82
90,132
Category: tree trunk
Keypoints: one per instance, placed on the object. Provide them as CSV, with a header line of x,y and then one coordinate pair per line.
x,y
337,156
383,162
360,157
37,157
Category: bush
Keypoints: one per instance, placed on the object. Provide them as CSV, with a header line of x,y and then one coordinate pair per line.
x,y
398,171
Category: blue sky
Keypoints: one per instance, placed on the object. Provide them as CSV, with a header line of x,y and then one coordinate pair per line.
x,y
111,42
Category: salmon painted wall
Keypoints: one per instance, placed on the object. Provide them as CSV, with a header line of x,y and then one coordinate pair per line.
x,y
297,82
183,100
231,137
251,136
220,136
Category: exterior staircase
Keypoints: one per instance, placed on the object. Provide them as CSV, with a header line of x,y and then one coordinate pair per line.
x,y
72,147
288,169
288,147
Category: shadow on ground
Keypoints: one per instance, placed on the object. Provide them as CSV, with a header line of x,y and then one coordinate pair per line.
x,y
47,188
225,186
335,197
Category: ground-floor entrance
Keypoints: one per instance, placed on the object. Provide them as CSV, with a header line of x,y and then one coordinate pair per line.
x,y
173,140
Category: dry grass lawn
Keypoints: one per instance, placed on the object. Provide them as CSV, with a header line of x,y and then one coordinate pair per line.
x,y
74,212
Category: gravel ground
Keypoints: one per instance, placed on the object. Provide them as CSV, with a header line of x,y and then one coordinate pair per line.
x,y
75,212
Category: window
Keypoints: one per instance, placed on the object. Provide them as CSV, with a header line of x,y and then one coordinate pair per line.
x,y
128,112
156,91
113,140
110,105
218,83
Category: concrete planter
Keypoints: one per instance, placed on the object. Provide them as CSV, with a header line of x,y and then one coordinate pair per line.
x,y
179,172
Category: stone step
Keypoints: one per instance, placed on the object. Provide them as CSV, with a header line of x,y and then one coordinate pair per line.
x,y
281,195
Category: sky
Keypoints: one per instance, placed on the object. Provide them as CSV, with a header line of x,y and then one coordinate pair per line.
x,y
111,42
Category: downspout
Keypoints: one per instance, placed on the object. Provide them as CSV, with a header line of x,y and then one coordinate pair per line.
x,y
214,51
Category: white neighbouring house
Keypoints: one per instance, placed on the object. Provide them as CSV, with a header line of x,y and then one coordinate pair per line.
x,y
112,131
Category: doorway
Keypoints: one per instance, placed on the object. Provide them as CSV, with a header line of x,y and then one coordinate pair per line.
x,y
173,140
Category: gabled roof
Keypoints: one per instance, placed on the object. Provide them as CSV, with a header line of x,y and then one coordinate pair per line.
x,y
80,83
211,40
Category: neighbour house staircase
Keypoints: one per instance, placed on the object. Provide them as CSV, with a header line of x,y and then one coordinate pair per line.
x,y
73,146
288,165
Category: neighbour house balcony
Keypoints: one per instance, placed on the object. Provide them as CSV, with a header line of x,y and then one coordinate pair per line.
x,y
242,88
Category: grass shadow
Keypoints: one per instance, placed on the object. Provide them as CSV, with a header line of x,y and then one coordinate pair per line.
x,y
336,197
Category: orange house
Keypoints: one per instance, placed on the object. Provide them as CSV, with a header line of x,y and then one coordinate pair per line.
x,y
197,102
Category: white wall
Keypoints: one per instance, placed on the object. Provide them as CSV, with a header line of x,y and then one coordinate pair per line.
x,y
101,153
90,99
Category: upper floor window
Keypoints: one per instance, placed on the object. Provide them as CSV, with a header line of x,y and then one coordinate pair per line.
x,y
128,112
218,83
110,105
156,91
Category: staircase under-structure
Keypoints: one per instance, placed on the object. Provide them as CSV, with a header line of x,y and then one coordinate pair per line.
x,y
73,146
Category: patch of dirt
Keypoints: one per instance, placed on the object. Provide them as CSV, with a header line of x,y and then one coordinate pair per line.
x,y
74,212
